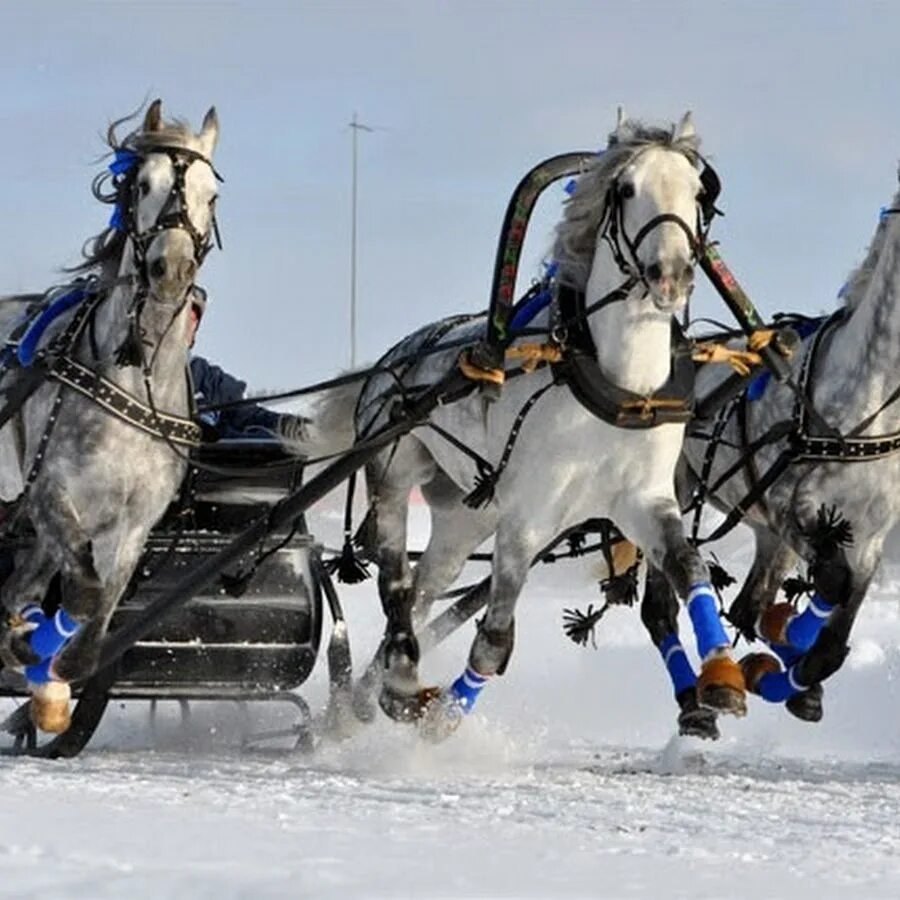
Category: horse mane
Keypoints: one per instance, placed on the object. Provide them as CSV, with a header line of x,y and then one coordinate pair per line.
x,y
103,252
859,280
584,211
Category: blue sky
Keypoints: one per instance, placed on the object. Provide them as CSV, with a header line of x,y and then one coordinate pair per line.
x,y
796,104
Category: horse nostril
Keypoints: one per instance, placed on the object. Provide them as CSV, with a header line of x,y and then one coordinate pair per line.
x,y
186,269
654,271
687,274
158,268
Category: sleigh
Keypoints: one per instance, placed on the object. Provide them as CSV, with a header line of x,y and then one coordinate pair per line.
x,y
251,634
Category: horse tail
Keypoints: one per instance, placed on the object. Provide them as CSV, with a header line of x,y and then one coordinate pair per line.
x,y
331,427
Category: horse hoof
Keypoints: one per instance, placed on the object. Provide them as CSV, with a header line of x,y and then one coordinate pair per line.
x,y
807,705
441,716
721,686
755,666
698,722
403,707
50,707
774,621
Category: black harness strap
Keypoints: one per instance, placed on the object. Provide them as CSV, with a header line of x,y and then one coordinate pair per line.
x,y
124,405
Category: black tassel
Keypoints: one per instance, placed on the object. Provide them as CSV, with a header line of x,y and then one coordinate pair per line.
x,y
348,567
796,587
831,532
621,590
579,626
485,485
719,577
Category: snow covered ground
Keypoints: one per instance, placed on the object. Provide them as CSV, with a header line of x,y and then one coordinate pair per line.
x,y
568,782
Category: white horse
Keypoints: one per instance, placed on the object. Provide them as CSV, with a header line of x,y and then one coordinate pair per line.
x,y
91,481
626,249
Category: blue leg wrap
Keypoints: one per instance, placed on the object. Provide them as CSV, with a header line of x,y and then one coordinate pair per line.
x,y
52,634
705,619
776,687
786,653
803,630
33,614
467,687
40,672
679,666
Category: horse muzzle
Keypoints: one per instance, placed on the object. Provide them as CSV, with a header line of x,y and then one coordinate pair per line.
x,y
670,285
171,267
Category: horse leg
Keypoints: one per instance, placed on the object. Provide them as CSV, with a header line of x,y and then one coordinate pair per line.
x,y
654,524
456,531
812,644
515,546
659,613
22,595
390,483
772,561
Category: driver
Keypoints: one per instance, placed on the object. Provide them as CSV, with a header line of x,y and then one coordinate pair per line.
x,y
213,385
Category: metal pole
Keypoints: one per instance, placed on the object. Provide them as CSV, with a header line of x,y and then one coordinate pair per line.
x,y
355,127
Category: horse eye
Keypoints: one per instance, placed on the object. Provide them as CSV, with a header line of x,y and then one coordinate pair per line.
x,y
626,192
144,187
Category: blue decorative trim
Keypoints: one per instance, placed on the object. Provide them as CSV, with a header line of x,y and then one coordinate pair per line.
x,y
530,308
117,219
124,161
28,345
677,663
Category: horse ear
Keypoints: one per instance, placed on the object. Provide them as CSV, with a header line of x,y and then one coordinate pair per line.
x,y
153,119
621,131
209,131
685,128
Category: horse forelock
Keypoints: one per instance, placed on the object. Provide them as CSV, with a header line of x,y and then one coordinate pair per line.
x,y
584,211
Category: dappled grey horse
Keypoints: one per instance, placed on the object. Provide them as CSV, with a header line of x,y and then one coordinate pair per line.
x,y
625,248
821,484
99,448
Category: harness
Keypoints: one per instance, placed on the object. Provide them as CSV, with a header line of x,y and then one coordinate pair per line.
x,y
580,370
803,447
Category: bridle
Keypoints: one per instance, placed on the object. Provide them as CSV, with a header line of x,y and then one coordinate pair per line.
x,y
124,170
614,233
173,214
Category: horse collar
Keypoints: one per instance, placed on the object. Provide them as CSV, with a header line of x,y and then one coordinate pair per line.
x,y
580,370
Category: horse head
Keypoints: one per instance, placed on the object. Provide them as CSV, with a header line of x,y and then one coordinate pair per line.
x,y
653,205
166,195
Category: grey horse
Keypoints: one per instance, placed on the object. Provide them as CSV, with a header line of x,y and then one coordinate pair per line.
x,y
90,482
823,475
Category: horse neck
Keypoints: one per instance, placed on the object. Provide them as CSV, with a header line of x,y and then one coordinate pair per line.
x,y
634,341
866,348
165,344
